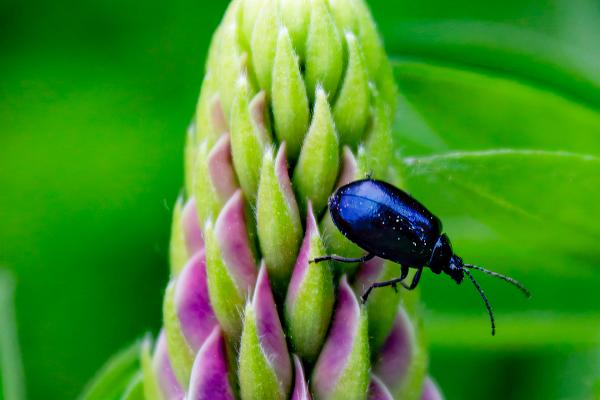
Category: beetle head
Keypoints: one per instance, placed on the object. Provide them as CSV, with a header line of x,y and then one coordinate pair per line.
x,y
455,269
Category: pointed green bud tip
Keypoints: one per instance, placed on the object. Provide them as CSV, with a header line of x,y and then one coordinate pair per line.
x,y
215,179
351,110
376,151
231,61
402,363
264,41
278,219
264,354
210,373
382,304
230,264
317,168
324,50
178,254
301,391
296,16
249,135
342,369
378,390
289,99
310,295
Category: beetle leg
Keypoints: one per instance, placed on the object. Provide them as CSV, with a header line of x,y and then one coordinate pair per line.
x,y
415,280
335,257
391,282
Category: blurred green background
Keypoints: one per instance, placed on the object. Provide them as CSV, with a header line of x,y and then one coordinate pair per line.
x,y
95,98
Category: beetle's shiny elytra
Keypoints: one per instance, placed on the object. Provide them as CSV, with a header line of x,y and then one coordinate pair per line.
x,y
388,223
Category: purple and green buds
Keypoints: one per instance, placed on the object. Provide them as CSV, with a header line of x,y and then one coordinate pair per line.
x,y
210,374
310,296
230,264
402,361
168,384
298,99
342,369
301,391
278,219
264,355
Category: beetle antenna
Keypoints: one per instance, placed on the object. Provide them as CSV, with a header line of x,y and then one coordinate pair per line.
x,y
505,278
485,300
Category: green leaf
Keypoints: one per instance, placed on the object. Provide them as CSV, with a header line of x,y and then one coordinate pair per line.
x,y
135,389
115,376
527,197
150,384
543,331
12,384
548,44
444,109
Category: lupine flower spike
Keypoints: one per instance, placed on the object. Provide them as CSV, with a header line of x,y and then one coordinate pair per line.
x,y
297,99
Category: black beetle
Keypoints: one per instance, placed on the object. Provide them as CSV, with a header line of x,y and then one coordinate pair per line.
x,y
388,223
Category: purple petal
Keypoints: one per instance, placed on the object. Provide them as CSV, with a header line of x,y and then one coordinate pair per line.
x,y
378,390
349,168
301,391
232,234
191,227
337,348
397,351
170,388
220,168
217,116
283,177
301,265
431,390
269,330
210,376
367,274
196,316
258,107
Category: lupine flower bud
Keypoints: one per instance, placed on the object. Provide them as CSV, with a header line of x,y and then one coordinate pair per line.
x,y
378,391
210,374
297,100
342,370
382,305
231,268
264,354
431,391
309,301
402,361
278,220
301,391
168,385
